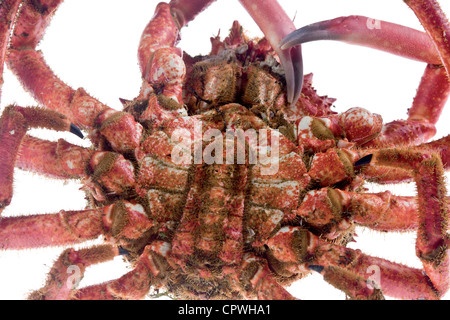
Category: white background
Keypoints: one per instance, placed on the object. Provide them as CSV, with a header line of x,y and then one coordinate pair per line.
x,y
93,44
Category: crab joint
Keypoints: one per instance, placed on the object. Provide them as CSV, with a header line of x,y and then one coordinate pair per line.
x,y
120,129
292,244
333,166
126,219
355,286
111,174
322,207
155,257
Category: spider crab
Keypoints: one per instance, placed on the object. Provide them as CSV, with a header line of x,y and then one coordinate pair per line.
x,y
230,228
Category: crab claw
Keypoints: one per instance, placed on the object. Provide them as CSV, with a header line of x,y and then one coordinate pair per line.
x,y
372,33
364,161
291,61
312,32
76,131
315,267
275,24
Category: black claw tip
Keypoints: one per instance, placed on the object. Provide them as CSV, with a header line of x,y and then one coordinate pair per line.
x,y
124,102
364,160
316,268
76,131
312,32
123,252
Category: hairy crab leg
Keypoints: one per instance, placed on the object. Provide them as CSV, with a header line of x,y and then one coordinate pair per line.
x,y
34,18
160,61
383,174
8,11
14,123
440,146
29,65
136,283
68,270
57,160
62,160
275,23
162,67
118,220
83,110
432,239
431,97
132,285
380,211
261,280
395,280
292,247
65,227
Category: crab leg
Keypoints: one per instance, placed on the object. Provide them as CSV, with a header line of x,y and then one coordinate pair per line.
x,y
36,76
380,211
364,31
8,11
68,227
292,247
341,266
383,174
354,285
65,227
436,25
383,211
69,269
132,285
57,160
431,97
29,65
432,243
118,128
14,123
160,61
395,280
136,283
440,146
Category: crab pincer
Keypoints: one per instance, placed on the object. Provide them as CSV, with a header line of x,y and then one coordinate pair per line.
x,y
275,24
369,32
